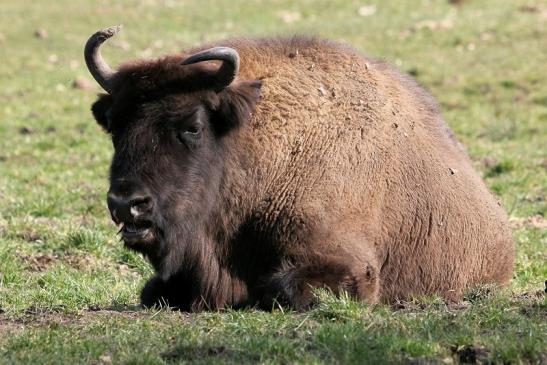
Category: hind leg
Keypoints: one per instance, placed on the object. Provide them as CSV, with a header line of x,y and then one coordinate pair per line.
x,y
292,284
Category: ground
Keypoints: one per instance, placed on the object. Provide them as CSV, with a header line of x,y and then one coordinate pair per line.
x,y
68,289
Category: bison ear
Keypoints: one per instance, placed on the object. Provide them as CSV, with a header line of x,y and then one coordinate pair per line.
x,y
235,106
101,110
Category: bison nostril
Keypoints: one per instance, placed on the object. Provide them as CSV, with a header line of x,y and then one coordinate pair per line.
x,y
140,206
127,209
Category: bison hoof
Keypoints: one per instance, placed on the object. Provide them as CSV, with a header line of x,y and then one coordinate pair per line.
x,y
153,293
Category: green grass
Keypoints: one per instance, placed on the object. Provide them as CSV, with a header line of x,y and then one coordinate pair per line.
x,y
68,289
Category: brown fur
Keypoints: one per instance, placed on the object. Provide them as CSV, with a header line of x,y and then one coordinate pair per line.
x,y
344,176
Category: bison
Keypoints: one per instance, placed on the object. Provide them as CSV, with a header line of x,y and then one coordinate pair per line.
x,y
251,171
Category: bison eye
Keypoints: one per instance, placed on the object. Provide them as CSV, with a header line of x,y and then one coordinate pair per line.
x,y
189,136
192,130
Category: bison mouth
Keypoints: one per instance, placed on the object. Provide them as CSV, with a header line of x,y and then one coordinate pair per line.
x,y
137,233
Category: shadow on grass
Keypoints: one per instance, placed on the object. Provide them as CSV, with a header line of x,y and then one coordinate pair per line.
x,y
207,354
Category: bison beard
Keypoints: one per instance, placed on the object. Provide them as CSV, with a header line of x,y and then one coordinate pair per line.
x,y
251,173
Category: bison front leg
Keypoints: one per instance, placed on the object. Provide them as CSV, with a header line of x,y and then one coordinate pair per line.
x,y
293,283
174,292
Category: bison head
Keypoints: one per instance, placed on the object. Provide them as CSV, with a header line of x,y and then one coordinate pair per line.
x,y
169,120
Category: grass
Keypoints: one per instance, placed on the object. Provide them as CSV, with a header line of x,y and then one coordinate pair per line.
x,y
69,291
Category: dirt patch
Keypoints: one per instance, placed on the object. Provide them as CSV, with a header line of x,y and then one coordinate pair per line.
x,y
82,83
419,306
531,304
529,8
80,262
534,221
37,263
34,317
21,323
42,262
40,228
8,328
531,295
29,234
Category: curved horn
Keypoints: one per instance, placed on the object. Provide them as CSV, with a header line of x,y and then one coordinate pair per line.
x,y
230,65
95,62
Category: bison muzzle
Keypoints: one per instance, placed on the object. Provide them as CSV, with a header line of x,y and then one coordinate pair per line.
x,y
251,171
